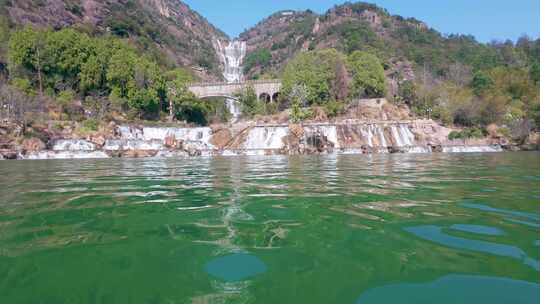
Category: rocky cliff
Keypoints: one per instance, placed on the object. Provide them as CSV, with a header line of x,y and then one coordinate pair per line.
x,y
166,27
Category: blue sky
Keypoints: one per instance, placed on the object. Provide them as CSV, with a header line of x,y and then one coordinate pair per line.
x,y
485,19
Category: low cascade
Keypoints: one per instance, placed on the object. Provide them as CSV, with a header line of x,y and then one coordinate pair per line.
x,y
266,138
376,136
196,137
73,145
67,155
328,132
133,144
232,57
472,149
402,135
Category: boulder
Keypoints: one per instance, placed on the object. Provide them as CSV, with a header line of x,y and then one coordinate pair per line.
x,y
9,154
318,143
33,145
221,138
97,139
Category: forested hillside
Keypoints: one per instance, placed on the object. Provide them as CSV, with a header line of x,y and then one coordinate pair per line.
x,y
452,78
166,30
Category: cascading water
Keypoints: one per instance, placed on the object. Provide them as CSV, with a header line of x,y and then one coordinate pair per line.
x,y
73,145
134,141
232,57
266,138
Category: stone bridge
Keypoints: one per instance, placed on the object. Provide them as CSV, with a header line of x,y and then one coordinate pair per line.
x,y
266,90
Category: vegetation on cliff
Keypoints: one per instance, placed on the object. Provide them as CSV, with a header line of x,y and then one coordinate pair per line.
x,y
75,72
168,31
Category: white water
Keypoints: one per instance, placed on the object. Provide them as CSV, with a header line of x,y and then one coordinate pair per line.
x,y
73,145
472,149
67,155
232,57
260,140
329,132
266,138
198,138
133,144
403,136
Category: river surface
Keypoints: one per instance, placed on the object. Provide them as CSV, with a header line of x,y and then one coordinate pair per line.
x,y
428,228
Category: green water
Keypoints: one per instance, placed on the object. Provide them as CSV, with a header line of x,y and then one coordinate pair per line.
x,y
441,228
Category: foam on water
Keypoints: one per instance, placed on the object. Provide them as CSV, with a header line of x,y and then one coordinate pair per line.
x,y
266,138
472,149
73,145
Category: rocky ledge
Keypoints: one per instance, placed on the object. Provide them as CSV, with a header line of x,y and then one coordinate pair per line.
x,y
347,137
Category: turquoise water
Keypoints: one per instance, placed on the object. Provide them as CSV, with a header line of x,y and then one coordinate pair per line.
x,y
436,228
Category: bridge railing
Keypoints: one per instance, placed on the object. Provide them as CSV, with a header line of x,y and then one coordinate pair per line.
x,y
249,82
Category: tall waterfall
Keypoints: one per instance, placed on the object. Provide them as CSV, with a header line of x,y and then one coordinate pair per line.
x,y
232,57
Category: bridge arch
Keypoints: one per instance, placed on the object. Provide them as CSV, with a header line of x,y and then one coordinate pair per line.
x,y
266,90
265,97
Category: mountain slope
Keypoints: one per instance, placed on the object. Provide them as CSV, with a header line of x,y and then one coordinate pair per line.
x,y
167,29
403,44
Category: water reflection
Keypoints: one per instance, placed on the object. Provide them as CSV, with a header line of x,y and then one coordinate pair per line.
x,y
478,229
235,267
533,216
456,289
435,234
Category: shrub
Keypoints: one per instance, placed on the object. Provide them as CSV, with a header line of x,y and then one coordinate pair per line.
x,y
454,135
334,108
91,124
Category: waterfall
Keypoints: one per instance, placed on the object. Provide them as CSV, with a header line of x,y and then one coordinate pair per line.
x,y
132,137
402,136
329,132
232,57
266,138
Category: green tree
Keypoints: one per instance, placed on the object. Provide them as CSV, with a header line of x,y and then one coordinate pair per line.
x,y
407,92
249,102
368,75
146,88
27,53
121,69
481,82
4,39
259,58
534,72
319,72
177,90
66,52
